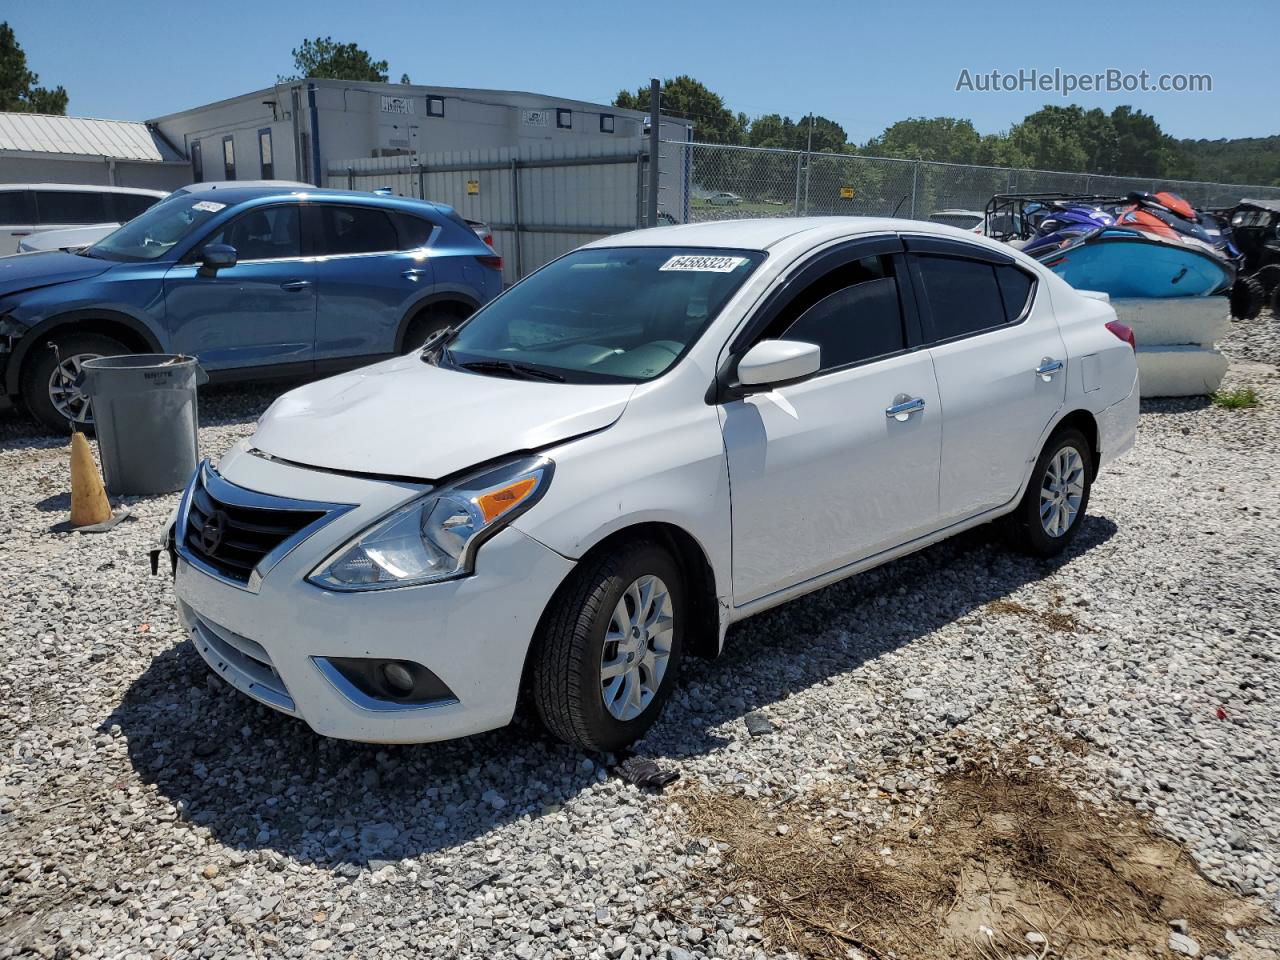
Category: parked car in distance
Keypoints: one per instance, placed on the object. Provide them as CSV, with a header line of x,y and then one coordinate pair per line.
x,y
961,219
254,281
648,439
27,209
77,238
724,200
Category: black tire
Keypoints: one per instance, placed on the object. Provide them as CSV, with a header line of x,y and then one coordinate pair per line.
x,y
424,325
39,367
1026,528
1247,298
566,670
1269,277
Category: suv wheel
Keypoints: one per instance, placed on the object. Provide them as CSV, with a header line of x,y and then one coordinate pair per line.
x,y
48,387
1058,495
424,325
610,648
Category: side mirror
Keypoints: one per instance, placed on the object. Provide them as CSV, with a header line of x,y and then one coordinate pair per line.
x,y
776,361
215,257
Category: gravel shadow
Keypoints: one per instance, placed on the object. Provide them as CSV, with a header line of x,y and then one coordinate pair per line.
x,y
258,779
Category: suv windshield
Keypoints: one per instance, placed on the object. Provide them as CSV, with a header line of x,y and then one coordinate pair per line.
x,y
154,233
621,314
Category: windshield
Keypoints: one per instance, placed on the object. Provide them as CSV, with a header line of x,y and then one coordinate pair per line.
x,y
154,233
621,314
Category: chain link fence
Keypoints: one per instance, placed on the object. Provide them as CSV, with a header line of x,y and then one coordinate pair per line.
x,y
728,182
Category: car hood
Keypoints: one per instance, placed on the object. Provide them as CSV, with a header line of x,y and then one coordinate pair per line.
x,y
407,418
25,271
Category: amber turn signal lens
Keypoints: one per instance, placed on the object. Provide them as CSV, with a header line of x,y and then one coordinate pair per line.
x,y
497,502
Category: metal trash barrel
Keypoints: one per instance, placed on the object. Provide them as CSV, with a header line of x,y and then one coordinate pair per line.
x,y
144,412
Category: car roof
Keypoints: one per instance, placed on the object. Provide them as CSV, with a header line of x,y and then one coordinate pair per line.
x,y
233,195
764,234
81,187
1271,205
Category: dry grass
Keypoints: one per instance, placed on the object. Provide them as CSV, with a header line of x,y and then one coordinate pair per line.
x,y
998,853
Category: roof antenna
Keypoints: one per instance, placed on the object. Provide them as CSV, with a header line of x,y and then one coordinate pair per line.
x,y
900,203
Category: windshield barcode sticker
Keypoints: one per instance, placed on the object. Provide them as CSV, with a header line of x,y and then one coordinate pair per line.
x,y
208,206
704,264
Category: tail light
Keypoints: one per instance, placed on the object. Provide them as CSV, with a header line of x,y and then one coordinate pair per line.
x,y
493,263
488,238
1124,332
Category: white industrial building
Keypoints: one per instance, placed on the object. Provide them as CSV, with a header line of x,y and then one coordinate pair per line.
x,y
36,148
299,130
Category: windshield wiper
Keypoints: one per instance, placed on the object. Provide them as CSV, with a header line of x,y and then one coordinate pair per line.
x,y
521,371
438,339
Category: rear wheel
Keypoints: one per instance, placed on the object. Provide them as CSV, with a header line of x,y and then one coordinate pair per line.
x,y
48,379
1269,277
1054,505
610,648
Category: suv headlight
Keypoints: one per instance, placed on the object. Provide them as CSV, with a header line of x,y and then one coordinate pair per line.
x,y
435,537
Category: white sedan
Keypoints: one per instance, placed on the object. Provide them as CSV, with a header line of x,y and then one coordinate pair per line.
x,y
643,442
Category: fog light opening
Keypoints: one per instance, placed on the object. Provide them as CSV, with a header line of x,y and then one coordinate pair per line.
x,y
398,678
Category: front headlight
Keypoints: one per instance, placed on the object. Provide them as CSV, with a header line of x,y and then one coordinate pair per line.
x,y
435,537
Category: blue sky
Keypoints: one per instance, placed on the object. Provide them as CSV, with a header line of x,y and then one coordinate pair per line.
x,y
864,64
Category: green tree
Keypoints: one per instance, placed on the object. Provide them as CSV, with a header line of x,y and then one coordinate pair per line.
x,y
1142,148
1051,139
19,90
690,100
324,59
941,139
772,130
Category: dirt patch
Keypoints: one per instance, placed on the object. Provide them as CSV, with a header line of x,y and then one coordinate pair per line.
x,y
1003,863
1058,620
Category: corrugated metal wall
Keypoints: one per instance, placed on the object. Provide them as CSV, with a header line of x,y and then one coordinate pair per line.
x,y
540,200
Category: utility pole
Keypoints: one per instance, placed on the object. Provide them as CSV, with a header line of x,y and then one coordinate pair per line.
x,y
655,122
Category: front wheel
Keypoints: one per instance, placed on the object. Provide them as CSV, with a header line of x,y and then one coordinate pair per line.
x,y
48,384
610,647
1053,507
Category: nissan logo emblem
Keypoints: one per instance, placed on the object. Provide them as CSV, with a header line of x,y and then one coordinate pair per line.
x,y
211,534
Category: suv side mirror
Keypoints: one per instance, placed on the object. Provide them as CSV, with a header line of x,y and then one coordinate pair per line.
x,y
775,361
215,257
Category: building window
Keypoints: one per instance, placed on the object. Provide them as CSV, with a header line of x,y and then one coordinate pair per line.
x,y
197,162
606,123
228,158
264,154
564,119
435,106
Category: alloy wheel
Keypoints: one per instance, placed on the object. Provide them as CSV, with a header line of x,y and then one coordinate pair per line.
x,y
637,647
1061,491
68,399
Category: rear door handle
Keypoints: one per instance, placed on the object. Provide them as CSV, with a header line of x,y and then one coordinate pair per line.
x,y
903,407
413,273
1048,367
295,285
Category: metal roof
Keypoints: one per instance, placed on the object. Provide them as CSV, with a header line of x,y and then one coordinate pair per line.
x,y
81,136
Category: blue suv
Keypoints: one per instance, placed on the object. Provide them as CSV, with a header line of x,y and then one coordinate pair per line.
x,y
255,281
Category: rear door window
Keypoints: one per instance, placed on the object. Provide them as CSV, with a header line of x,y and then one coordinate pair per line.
x,y
963,295
70,206
352,230
1015,290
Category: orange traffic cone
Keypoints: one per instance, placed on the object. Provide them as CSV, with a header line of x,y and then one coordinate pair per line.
x,y
88,498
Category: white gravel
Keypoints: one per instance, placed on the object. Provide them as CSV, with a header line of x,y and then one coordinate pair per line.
x,y
147,811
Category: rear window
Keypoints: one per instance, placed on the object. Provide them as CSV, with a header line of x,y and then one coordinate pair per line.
x,y
1015,290
414,231
129,205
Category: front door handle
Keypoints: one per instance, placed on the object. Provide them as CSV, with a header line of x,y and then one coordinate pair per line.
x,y
413,273
1048,367
295,285
903,407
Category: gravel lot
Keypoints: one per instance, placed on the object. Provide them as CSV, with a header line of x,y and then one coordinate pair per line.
x,y
146,811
